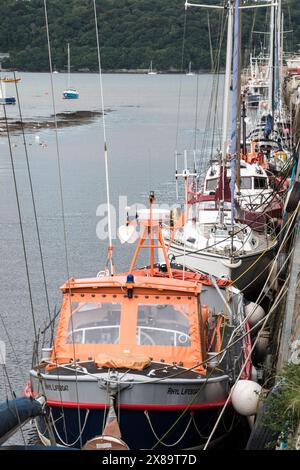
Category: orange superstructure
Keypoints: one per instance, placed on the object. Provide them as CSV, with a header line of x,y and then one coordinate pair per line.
x,y
178,299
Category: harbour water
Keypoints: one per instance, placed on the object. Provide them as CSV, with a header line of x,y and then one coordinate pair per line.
x,y
150,117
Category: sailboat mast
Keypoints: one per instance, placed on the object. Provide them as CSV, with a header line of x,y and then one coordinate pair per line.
x,y
227,80
238,103
226,100
235,101
271,62
69,67
279,53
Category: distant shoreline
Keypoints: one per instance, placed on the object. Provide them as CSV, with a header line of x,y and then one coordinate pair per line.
x,y
119,71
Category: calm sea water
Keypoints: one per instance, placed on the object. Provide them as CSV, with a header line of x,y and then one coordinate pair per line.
x,y
143,128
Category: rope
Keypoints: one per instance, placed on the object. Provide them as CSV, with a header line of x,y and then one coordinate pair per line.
x,y
33,200
12,347
196,114
105,142
180,80
60,183
214,91
21,225
80,434
263,253
197,429
159,440
240,373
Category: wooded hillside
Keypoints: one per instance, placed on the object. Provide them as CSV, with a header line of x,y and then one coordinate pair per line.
x,y
132,33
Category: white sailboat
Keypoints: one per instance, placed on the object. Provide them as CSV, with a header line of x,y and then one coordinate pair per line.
x,y
151,71
214,239
190,73
3,98
70,93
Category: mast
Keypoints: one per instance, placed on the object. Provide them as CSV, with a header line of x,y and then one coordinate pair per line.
x,y
227,80
69,66
244,126
226,99
279,53
210,44
235,112
271,62
238,102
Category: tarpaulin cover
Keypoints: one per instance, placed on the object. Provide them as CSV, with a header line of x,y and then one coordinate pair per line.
x,y
119,361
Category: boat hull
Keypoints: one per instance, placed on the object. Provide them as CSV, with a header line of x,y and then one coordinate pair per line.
x,y
180,412
9,100
70,95
140,429
248,275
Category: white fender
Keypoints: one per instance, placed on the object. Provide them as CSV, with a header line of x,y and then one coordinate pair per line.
x,y
230,264
245,397
254,313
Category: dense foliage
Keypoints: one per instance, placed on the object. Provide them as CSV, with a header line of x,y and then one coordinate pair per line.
x,y
283,410
132,33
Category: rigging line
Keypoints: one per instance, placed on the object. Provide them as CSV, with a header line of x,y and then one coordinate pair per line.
x,y
237,379
33,199
223,28
193,399
196,114
12,347
263,294
251,35
180,79
235,331
215,81
21,225
61,193
210,43
274,305
256,261
232,341
110,260
265,269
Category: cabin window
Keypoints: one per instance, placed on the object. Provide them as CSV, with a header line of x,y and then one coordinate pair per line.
x,y
245,182
211,185
94,323
260,183
163,325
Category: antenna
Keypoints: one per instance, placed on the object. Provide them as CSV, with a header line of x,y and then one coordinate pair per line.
x,y
109,262
176,173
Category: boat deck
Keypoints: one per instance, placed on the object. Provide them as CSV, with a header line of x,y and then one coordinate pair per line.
x,y
157,370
